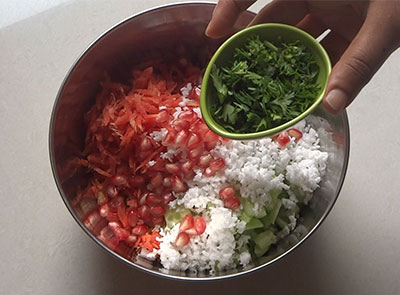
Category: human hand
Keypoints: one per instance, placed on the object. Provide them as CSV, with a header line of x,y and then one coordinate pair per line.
x,y
363,35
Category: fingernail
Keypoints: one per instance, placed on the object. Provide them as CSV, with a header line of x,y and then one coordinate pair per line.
x,y
336,99
207,31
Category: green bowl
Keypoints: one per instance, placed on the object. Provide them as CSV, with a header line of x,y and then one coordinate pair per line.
x,y
224,55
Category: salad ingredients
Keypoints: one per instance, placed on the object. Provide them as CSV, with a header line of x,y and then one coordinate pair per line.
x,y
266,85
162,185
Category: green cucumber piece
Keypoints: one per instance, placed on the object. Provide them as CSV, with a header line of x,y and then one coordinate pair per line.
x,y
281,222
261,214
254,223
248,207
270,218
263,241
259,252
244,217
274,198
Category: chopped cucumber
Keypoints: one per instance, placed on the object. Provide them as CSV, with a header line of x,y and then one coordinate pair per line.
x,y
259,252
261,214
263,241
254,223
244,217
248,207
282,222
270,218
274,198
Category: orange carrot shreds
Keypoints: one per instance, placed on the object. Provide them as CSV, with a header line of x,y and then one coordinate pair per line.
x,y
149,241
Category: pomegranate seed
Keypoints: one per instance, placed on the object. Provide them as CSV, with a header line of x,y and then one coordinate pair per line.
x,y
208,172
188,116
115,203
153,200
193,141
143,199
195,93
297,134
201,127
157,211
167,182
112,216
108,237
131,240
191,231
137,181
168,198
283,139
158,190
156,180
187,167
124,250
178,186
205,160
94,222
227,192
118,180
158,220
132,203
112,191
210,136
162,116
182,240
199,224
132,217
232,203
218,164
181,138
195,153
122,215
210,145
180,124
172,168
186,222
104,210
144,212
119,232
169,139
101,198
145,144
140,229
114,224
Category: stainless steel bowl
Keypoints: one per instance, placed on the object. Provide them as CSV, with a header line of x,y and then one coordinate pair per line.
x,y
162,30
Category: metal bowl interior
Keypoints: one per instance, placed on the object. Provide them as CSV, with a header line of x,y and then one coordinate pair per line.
x,y
160,32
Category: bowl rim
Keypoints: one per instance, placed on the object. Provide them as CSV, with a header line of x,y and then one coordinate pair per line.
x,y
207,81
116,255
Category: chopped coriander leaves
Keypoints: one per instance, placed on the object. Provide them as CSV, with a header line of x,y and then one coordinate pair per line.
x,y
266,85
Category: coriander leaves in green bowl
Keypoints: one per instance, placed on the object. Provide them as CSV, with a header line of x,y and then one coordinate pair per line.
x,y
263,80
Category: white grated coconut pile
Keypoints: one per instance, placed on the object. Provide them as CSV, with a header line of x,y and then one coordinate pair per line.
x,y
255,168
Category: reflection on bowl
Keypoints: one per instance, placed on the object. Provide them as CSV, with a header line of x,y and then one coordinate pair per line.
x,y
116,52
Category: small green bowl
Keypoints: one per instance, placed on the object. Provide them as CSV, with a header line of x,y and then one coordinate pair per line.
x,y
224,54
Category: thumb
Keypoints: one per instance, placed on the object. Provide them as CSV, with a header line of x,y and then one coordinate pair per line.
x,y
364,56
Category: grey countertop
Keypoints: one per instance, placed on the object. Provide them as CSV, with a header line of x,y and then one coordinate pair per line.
x,y
43,250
